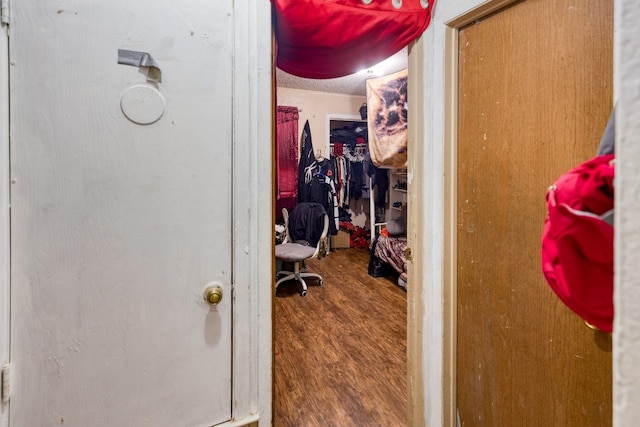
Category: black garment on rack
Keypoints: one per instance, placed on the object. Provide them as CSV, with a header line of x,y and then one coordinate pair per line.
x,y
324,192
319,187
357,180
307,161
382,183
380,179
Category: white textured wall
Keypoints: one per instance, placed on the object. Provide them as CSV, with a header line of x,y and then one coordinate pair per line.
x,y
315,106
626,338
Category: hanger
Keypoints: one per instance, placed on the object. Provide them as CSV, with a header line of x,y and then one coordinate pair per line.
x,y
354,156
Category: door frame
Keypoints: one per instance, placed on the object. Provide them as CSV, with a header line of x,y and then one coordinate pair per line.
x,y
4,210
252,224
253,230
432,212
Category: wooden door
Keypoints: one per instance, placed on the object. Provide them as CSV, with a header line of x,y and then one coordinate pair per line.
x,y
535,93
121,213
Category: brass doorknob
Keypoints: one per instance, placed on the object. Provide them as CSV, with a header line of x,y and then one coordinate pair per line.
x,y
212,295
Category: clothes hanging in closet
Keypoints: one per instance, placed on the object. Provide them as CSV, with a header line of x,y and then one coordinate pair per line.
x,y
348,152
342,169
356,183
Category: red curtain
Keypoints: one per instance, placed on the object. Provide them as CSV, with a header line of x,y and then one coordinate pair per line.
x,y
286,159
321,39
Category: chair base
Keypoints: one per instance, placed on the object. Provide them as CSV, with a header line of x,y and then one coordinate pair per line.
x,y
297,275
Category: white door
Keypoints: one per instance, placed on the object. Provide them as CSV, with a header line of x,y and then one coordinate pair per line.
x,y
120,212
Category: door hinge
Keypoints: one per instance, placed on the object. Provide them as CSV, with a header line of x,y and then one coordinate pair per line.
x,y
4,15
6,384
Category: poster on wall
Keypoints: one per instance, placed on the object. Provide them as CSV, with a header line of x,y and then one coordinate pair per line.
x,y
387,120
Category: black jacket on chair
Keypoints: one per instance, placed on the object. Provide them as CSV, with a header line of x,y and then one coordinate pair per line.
x,y
306,222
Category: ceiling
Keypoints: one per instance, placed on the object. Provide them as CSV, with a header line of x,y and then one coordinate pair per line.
x,y
353,84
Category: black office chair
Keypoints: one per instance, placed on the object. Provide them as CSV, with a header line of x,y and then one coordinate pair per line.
x,y
306,236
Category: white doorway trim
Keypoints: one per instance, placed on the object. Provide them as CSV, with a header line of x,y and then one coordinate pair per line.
x,y
4,210
626,346
252,251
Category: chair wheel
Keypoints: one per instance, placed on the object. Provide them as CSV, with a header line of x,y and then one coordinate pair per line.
x,y
303,293
320,282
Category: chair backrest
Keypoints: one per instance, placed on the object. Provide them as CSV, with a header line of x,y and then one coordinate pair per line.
x,y
307,224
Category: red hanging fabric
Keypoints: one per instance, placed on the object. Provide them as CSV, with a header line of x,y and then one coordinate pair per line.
x,y
286,158
322,39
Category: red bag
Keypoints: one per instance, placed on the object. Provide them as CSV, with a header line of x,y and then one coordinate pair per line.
x,y
577,243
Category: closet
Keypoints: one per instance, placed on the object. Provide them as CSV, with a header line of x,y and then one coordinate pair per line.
x,y
347,139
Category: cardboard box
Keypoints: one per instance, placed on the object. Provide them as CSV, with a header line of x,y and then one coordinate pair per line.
x,y
341,240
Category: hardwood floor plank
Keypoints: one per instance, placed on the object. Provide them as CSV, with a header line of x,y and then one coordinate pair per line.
x,y
340,352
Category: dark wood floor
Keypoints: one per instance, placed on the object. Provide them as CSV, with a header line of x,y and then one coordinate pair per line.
x,y
340,352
